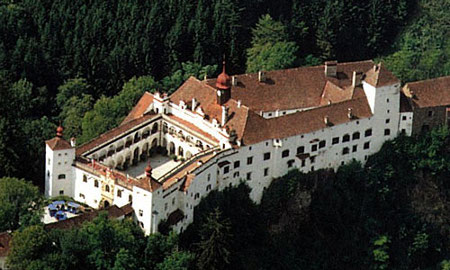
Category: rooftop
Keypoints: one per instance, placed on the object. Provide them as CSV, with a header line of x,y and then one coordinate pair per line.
x,y
429,93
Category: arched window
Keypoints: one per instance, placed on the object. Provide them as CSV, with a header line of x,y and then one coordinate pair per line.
x,y
61,176
96,183
355,136
155,128
107,188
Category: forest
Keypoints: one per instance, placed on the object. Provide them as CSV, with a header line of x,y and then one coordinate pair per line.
x,y
84,64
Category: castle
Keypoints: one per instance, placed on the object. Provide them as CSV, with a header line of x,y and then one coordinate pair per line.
x,y
171,151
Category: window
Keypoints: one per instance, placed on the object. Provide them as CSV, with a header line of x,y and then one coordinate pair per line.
x,y
266,171
388,120
59,154
249,176
355,136
82,196
130,198
285,153
173,201
346,138
387,132
209,177
107,188
403,118
119,193
366,145
141,213
303,162
290,163
61,176
208,187
237,164
368,132
226,169
249,160
236,174
313,147
335,140
430,113
48,161
387,100
300,150
313,159
355,148
96,183
197,195
267,156
322,144
61,192
48,173
345,151
165,206
84,178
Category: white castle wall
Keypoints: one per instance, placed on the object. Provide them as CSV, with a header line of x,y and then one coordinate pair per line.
x,y
384,102
59,163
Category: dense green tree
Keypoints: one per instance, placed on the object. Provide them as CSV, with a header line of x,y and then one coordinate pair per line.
x,y
270,48
214,250
20,204
29,249
178,260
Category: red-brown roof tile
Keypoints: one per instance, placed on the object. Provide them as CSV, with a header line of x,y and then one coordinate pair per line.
x,y
291,88
58,143
379,76
429,93
140,108
260,129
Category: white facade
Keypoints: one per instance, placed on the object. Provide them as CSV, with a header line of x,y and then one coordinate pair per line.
x,y
59,178
256,164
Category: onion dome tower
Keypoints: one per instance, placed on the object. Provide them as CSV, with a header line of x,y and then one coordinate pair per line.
x,y
223,85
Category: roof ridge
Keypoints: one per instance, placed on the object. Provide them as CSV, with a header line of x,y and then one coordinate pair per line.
x,y
429,80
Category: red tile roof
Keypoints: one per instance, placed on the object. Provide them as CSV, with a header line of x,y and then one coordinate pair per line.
x,y
429,93
291,88
379,76
140,108
260,129
58,143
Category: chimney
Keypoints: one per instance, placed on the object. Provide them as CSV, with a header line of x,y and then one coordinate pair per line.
x,y
234,80
239,103
350,113
261,76
205,77
194,104
331,68
224,115
73,142
326,120
357,78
